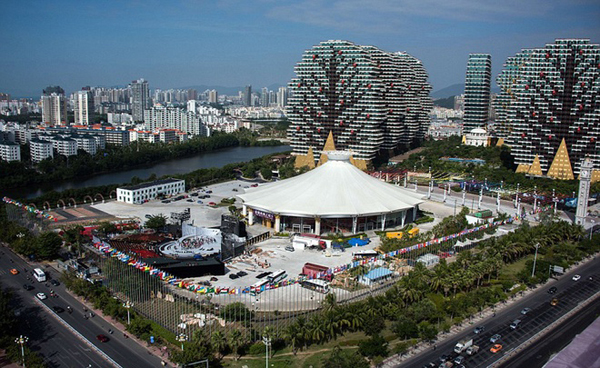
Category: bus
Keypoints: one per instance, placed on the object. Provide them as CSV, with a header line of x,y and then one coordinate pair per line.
x,y
257,287
277,276
39,275
320,286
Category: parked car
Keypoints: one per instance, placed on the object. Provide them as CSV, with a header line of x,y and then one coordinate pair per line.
x,y
209,191
495,338
189,200
254,185
233,276
264,274
459,359
214,279
166,201
194,194
552,290
54,282
200,202
212,204
41,296
242,274
148,216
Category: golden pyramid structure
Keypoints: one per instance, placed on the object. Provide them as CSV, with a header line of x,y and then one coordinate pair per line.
x,y
308,160
536,167
522,168
561,164
329,146
595,176
500,142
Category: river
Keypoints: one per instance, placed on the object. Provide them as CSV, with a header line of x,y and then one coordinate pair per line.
x,y
205,160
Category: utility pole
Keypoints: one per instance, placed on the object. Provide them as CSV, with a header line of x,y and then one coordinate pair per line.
x,y
535,259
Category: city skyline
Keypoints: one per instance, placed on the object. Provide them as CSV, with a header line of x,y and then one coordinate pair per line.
x,y
187,43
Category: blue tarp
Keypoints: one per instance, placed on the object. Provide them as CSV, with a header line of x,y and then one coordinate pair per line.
x,y
378,273
358,242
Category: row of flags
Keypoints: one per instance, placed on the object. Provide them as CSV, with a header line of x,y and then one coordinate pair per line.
x,y
28,208
216,290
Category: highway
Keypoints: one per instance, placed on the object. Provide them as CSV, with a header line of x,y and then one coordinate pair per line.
x,y
570,293
67,339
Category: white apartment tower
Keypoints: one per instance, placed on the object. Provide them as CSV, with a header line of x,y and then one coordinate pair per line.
x,y
54,108
140,98
83,107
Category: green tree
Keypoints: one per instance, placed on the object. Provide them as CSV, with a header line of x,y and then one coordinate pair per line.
x,y
343,359
373,347
405,328
48,245
156,222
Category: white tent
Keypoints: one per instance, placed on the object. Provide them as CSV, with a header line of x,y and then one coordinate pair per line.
x,y
333,190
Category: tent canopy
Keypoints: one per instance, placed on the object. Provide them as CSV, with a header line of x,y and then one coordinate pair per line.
x,y
334,189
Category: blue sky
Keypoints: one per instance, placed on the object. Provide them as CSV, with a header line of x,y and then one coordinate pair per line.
x,y
179,43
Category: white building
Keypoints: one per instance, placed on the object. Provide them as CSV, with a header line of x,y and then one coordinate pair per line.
x,y
477,137
83,107
10,151
160,117
138,194
65,146
54,109
40,149
87,143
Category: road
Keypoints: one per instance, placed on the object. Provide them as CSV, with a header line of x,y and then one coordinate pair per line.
x,y
569,293
51,334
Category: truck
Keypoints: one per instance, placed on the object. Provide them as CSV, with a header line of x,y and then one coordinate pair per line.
x,y
310,241
472,350
314,271
463,345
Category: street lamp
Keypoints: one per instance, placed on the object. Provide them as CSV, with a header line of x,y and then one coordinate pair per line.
x,y
22,340
591,228
181,338
267,342
535,259
128,306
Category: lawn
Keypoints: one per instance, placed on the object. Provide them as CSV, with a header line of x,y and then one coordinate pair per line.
x,y
510,271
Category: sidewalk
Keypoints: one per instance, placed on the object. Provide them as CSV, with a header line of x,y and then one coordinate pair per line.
x,y
456,329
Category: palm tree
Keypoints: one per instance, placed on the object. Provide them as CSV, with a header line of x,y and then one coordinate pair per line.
x,y
316,328
235,341
219,343
293,335
330,302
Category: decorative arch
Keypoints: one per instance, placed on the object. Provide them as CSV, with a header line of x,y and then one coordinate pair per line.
x,y
64,205
99,195
72,200
110,195
85,199
32,205
47,206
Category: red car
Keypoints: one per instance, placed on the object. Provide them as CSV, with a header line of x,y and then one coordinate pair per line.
x,y
212,204
102,338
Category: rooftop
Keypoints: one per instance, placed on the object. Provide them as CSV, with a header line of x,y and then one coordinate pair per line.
x,y
151,184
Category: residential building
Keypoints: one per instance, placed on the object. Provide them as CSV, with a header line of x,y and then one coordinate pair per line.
x,y
369,99
160,117
40,149
549,99
10,151
213,96
282,97
54,106
138,194
477,91
83,107
140,98
87,142
247,96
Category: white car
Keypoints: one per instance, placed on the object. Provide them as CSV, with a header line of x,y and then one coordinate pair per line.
x,y
41,296
576,277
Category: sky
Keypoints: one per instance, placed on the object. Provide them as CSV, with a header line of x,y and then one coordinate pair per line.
x,y
180,43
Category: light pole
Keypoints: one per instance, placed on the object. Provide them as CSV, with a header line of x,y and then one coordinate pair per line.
x,y
128,305
22,340
591,228
267,342
535,259
517,195
181,338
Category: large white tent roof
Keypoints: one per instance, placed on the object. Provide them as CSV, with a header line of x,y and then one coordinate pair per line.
x,y
334,189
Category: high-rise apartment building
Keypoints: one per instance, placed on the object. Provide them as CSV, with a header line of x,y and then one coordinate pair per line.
x,y
160,117
247,96
54,105
477,91
550,102
369,99
83,107
264,97
213,96
140,99
282,97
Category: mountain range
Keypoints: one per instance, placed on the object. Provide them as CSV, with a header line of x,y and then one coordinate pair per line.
x,y
453,90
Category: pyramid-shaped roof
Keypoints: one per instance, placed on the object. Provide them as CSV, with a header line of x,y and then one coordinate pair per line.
x,y
536,167
335,189
561,165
